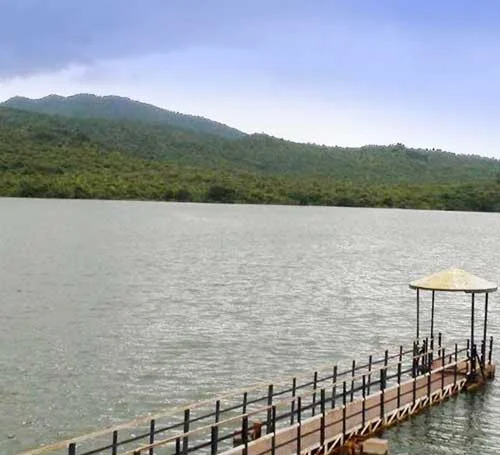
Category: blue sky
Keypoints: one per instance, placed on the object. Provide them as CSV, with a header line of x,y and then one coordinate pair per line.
x,y
347,72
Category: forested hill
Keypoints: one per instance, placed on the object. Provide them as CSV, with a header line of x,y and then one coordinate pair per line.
x,y
120,108
259,153
53,156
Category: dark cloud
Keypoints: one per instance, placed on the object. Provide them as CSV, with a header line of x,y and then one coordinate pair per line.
x,y
48,34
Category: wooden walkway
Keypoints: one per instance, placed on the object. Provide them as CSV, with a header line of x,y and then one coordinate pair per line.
x,y
311,414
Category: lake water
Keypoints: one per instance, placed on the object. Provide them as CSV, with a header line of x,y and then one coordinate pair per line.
x,y
110,310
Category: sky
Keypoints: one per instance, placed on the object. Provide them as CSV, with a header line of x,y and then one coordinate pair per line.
x,y
349,72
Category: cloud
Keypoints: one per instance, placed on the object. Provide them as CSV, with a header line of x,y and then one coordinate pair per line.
x,y
51,34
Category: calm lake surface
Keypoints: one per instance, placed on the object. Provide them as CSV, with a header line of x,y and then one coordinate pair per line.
x,y
110,310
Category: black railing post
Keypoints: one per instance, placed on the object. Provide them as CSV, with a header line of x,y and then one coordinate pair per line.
x,y
386,362
217,411
72,448
455,369
185,439
273,420
244,404
214,439
363,410
292,410
414,390
382,393
299,424
353,372
370,361
177,446
151,436
244,433
114,444
315,385
399,382
334,387
442,367
413,368
322,429
269,404
344,410
491,350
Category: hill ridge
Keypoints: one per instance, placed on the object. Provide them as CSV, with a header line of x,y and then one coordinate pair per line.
x,y
114,107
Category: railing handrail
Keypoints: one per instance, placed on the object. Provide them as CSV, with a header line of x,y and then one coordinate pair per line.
x,y
372,368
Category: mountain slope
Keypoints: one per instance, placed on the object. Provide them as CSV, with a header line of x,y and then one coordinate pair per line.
x,y
120,108
45,156
264,154
40,157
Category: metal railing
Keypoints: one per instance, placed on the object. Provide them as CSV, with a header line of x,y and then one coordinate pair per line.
x,y
239,417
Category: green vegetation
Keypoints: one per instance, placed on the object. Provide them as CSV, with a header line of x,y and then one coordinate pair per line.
x,y
54,156
119,108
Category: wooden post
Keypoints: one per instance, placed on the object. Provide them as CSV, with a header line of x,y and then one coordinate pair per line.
x,y
72,448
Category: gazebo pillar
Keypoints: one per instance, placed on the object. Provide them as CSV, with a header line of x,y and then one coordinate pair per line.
x,y
472,343
483,345
457,280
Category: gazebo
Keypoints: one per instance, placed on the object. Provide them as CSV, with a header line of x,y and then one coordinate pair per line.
x,y
457,280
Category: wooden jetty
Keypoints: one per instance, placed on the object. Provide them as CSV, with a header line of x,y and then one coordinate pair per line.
x,y
330,411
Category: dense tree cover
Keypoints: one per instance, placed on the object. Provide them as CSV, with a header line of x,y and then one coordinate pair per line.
x,y
119,108
259,153
42,156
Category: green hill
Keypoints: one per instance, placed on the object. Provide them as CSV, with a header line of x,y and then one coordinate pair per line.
x,y
264,154
119,108
52,156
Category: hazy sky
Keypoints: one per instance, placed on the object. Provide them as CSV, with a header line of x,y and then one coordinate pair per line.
x,y
347,72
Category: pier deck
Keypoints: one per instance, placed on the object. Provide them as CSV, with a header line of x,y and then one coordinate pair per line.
x,y
318,413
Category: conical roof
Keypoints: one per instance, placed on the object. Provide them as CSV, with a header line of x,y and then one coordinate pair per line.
x,y
454,280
